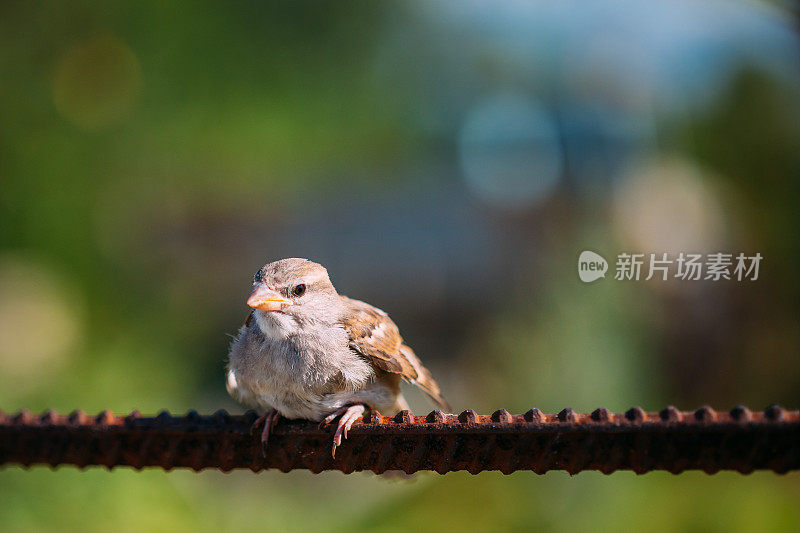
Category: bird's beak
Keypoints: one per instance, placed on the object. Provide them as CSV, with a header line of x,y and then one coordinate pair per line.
x,y
265,299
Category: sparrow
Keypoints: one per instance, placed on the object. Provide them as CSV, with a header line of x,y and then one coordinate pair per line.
x,y
307,352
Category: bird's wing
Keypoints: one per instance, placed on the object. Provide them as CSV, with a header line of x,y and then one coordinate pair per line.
x,y
374,336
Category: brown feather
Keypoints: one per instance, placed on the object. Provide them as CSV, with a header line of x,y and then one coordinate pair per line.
x,y
376,337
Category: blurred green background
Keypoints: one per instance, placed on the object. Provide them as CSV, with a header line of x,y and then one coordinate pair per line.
x,y
447,161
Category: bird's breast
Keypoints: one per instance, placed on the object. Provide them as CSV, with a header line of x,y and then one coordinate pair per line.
x,y
294,374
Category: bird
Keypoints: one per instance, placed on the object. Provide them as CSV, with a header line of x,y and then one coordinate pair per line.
x,y
307,352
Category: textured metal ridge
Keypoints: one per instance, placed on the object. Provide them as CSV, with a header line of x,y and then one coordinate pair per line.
x,y
671,440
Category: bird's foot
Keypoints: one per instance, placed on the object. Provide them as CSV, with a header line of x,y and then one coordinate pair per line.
x,y
269,419
349,414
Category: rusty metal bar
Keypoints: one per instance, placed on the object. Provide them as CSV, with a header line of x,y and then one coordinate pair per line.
x,y
670,440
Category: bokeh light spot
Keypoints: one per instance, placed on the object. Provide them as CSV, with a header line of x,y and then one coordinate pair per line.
x,y
509,152
40,323
97,82
669,206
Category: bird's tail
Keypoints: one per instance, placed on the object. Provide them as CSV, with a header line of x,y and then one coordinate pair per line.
x,y
437,397
425,381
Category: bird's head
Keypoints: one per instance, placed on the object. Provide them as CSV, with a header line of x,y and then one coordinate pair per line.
x,y
292,292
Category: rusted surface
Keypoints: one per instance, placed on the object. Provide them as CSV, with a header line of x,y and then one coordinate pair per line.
x,y
671,440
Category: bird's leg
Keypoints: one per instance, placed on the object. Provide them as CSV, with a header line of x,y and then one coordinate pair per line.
x,y
349,414
330,418
269,419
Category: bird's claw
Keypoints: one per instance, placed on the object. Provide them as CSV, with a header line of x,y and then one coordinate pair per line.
x,y
349,415
331,417
260,420
269,419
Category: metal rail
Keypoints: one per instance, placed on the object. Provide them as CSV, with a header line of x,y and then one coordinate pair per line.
x,y
670,440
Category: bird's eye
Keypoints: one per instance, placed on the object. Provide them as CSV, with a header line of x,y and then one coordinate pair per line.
x,y
299,290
